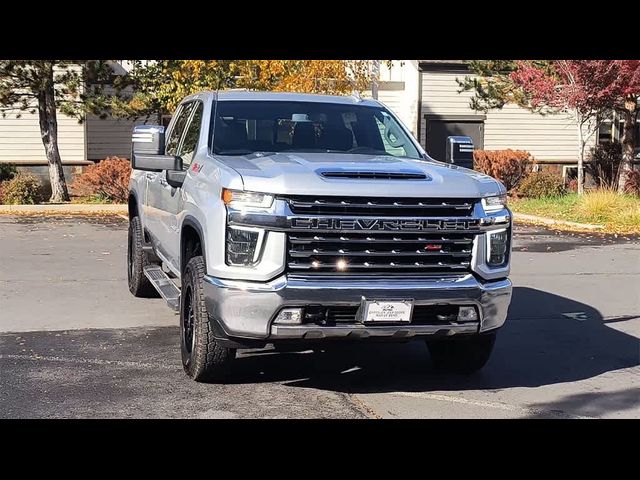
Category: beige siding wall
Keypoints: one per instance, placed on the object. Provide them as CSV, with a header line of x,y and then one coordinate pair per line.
x,y
20,139
547,138
392,99
109,137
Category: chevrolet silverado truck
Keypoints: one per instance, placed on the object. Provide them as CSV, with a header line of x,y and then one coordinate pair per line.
x,y
303,220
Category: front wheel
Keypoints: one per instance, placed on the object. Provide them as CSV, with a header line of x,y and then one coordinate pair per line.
x,y
463,355
203,359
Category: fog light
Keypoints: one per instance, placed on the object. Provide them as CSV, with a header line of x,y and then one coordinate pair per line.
x,y
467,314
289,316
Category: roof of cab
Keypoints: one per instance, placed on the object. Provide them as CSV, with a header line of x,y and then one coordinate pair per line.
x,y
240,95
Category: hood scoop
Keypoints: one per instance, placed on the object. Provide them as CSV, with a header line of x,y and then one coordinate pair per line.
x,y
375,175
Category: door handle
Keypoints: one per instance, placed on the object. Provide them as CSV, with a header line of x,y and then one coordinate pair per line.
x,y
151,176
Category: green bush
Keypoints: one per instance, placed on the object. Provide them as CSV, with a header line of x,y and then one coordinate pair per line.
x,y
542,184
23,188
7,171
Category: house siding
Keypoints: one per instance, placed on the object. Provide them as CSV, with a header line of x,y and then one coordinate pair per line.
x,y
110,137
20,140
549,138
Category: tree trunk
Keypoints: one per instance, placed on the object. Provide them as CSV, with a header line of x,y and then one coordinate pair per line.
x,y
628,139
49,133
580,155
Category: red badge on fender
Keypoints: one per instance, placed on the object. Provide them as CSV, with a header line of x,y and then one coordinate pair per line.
x,y
196,167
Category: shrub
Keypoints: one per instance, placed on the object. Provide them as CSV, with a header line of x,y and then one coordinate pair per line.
x,y
632,184
597,205
108,179
604,164
508,166
572,185
542,184
7,171
23,188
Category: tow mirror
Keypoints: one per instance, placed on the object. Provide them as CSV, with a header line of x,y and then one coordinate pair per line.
x,y
147,150
460,151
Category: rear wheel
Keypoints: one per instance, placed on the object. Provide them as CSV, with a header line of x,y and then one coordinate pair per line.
x,y
464,355
139,285
203,358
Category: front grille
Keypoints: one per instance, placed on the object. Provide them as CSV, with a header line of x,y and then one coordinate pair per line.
x,y
382,207
340,314
380,251
362,251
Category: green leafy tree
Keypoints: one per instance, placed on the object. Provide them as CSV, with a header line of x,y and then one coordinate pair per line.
x,y
73,87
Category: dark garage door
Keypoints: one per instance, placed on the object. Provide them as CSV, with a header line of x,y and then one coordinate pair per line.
x,y
438,129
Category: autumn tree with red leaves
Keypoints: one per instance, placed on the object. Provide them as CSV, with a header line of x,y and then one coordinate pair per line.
x,y
586,89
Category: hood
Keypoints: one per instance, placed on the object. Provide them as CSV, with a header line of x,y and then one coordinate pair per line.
x,y
302,174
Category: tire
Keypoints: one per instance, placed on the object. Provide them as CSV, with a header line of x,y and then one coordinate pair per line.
x,y
139,285
203,359
464,355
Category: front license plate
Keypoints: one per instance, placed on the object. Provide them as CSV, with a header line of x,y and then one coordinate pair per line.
x,y
387,311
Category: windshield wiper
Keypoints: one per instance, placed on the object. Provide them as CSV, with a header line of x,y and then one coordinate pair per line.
x,y
246,151
367,151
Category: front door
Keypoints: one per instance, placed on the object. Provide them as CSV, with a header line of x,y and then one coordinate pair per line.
x,y
173,198
162,199
438,129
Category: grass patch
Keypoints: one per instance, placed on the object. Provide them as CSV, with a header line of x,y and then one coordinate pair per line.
x,y
617,213
91,199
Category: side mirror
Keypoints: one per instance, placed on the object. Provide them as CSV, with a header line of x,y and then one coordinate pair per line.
x,y
147,150
148,139
460,151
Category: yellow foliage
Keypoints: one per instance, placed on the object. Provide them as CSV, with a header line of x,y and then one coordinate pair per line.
x,y
184,77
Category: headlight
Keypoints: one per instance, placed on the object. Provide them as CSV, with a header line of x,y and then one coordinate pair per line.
x,y
243,245
494,204
239,199
497,248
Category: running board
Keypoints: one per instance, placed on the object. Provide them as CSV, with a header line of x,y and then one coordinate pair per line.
x,y
164,285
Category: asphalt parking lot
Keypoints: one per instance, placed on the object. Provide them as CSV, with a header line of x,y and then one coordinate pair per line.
x,y
75,343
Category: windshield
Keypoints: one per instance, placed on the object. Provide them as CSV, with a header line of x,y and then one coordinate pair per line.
x,y
244,127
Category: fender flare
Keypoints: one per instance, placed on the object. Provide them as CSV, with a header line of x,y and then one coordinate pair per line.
x,y
192,222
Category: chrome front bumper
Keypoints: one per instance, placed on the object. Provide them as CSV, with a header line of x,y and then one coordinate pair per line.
x,y
247,309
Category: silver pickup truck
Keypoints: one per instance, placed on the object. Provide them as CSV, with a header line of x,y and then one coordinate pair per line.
x,y
305,220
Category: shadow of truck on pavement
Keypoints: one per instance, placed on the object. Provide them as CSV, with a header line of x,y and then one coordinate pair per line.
x,y
537,346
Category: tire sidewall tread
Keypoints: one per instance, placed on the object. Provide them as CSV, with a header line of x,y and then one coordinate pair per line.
x,y
208,360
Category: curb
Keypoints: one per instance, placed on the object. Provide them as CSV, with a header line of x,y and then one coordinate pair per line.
x,y
526,218
65,209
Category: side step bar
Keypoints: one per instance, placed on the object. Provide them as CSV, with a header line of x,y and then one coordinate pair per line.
x,y
164,285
